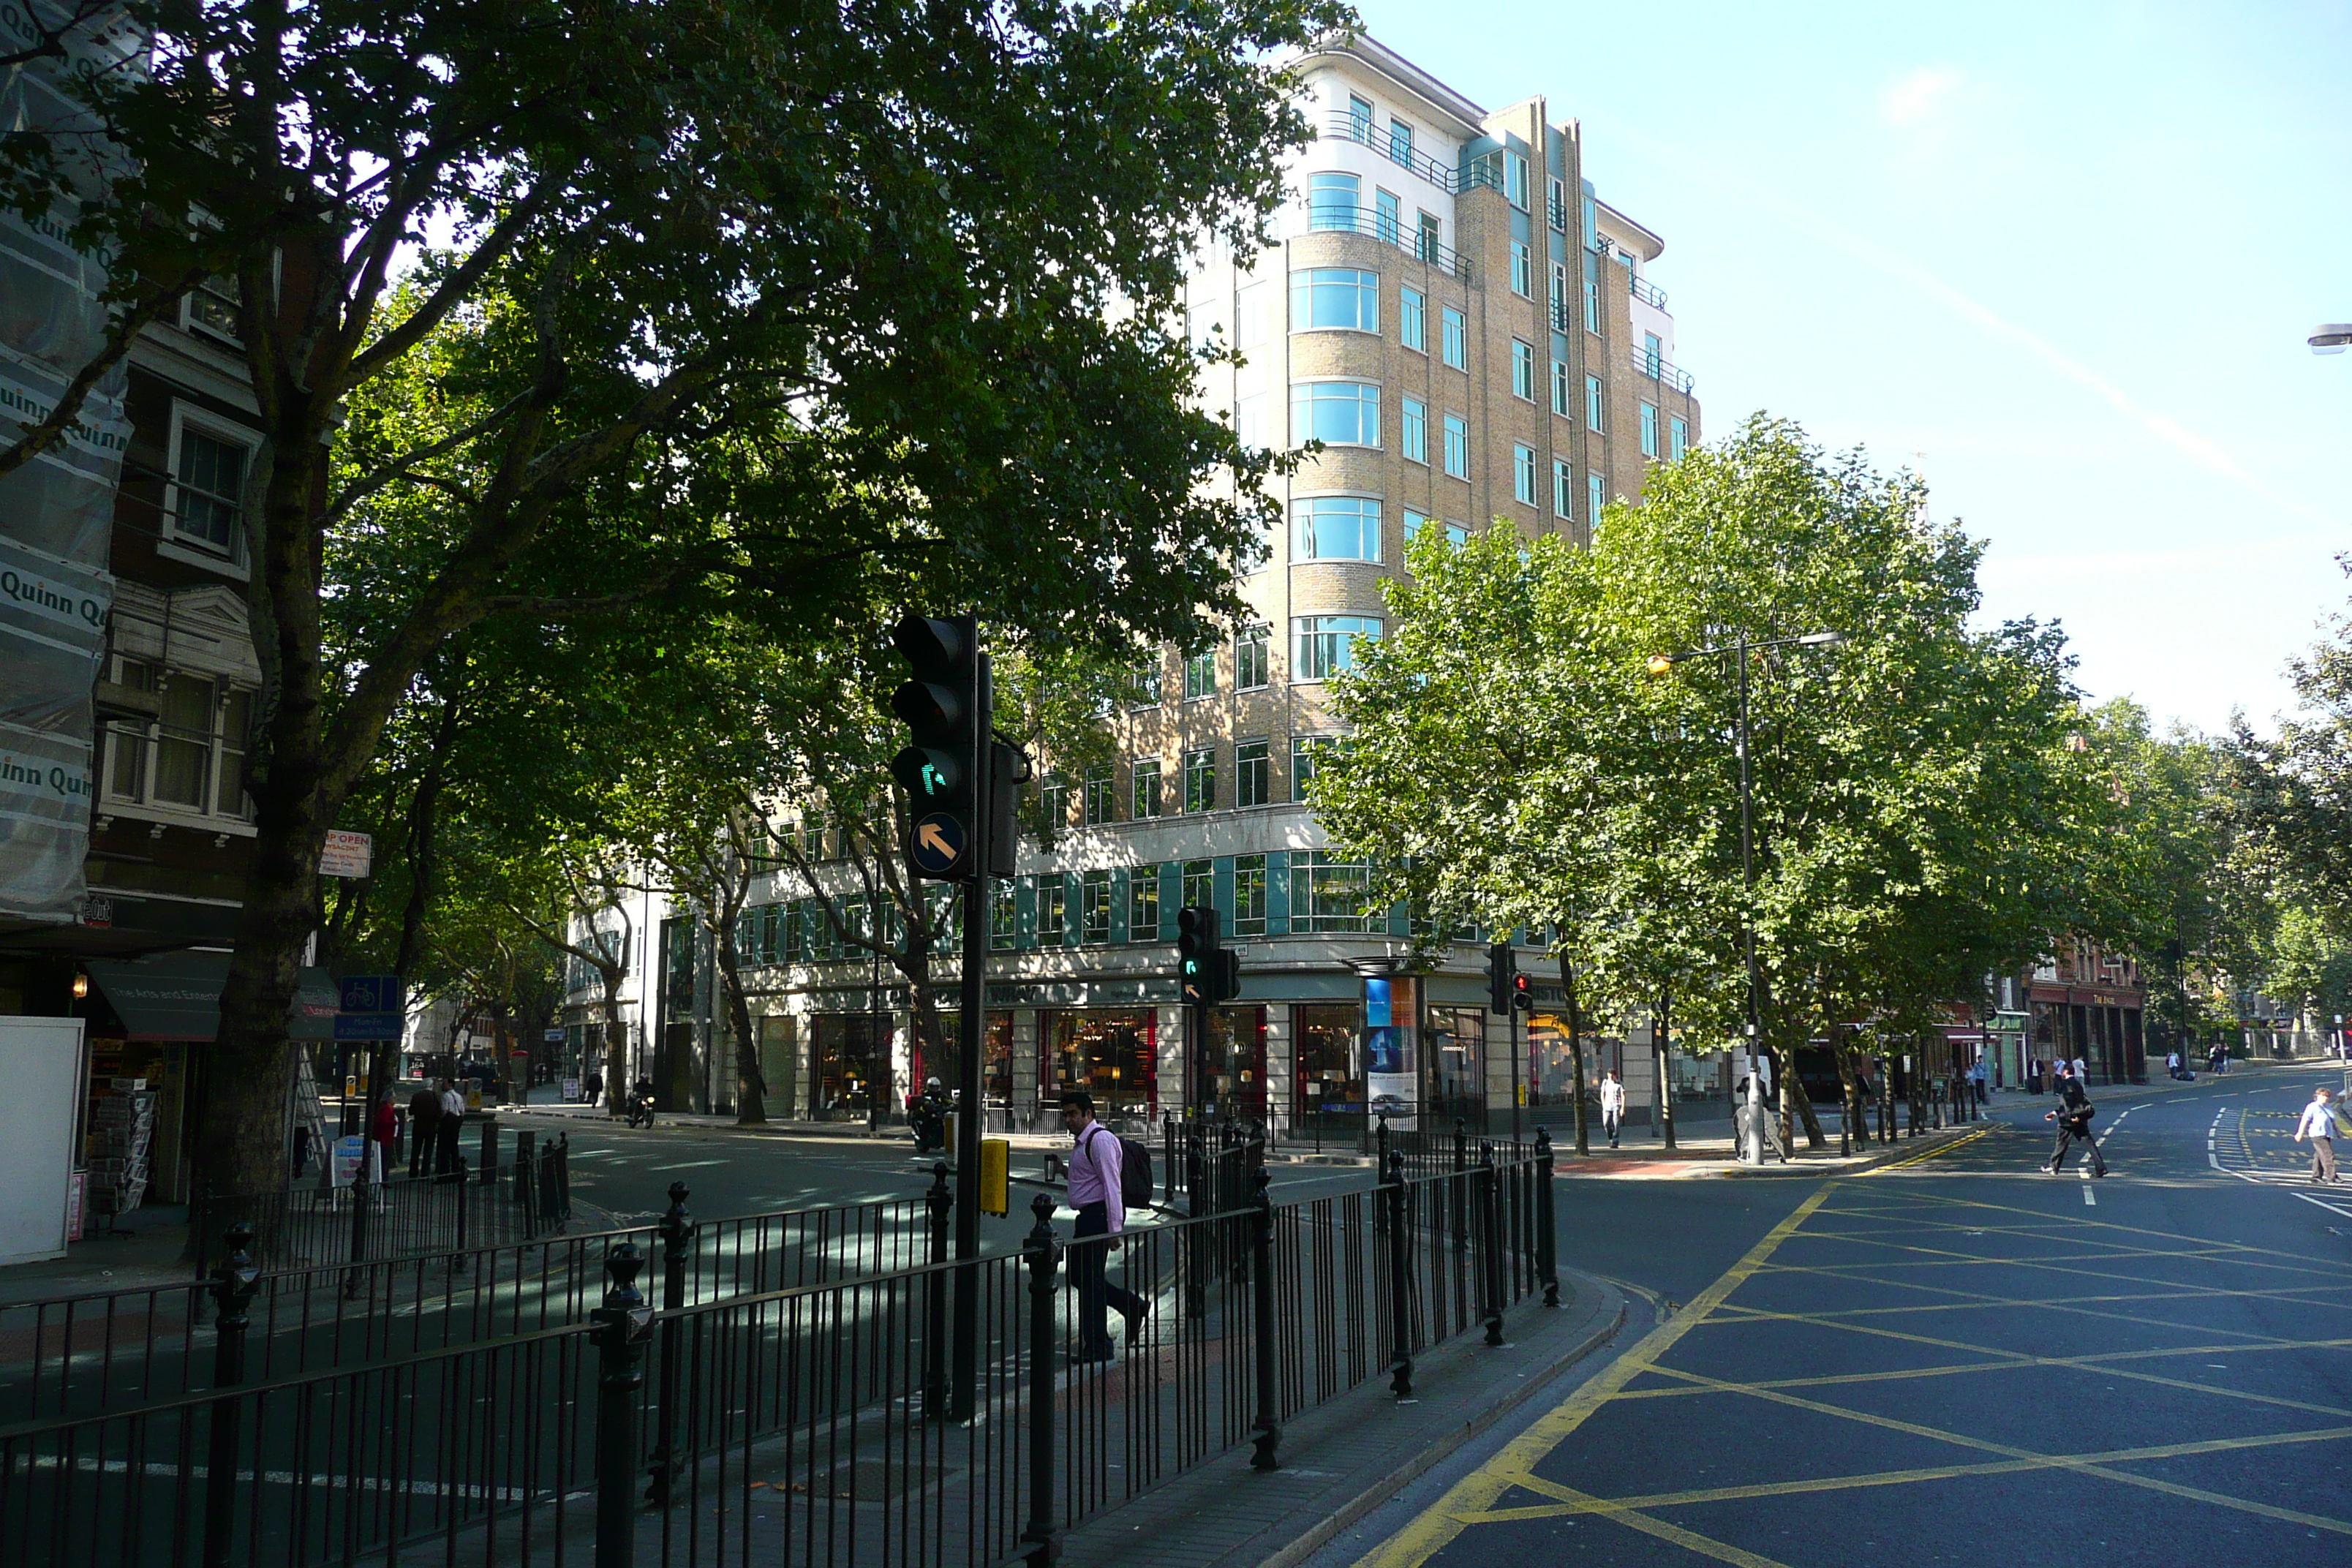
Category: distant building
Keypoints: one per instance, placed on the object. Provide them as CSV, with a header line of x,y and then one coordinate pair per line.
x,y
1477,338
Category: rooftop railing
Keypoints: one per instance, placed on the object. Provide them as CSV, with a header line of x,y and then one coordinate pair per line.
x,y
1644,290
1398,151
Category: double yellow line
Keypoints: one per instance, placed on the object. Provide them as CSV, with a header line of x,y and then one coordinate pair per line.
x,y
1940,1149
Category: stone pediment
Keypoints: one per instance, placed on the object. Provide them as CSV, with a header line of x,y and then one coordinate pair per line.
x,y
203,630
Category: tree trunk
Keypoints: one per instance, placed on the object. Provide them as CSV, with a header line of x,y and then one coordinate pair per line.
x,y
750,1083
616,1044
1665,1062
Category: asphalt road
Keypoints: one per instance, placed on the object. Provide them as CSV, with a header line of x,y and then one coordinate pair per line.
x,y
1954,1360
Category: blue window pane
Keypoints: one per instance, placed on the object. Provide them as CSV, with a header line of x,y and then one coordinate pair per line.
x,y
1336,413
1332,201
1336,528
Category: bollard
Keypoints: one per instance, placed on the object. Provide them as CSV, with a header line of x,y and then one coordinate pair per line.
x,y
1039,1252
1400,1278
234,1283
1461,1143
1546,1238
942,1202
622,1326
359,1190
676,1231
1190,1242
1380,1153
489,1150
1262,1307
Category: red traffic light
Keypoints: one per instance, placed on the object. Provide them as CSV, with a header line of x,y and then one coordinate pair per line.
x,y
1523,996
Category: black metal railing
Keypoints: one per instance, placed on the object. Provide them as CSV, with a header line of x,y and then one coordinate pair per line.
x,y
811,1424
1641,289
1209,1166
117,1350
1657,369
1398,151
1326,217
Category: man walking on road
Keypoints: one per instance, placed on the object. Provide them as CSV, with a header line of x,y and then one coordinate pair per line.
x,y
2074,1118
2318,1124
1097,1165
1612,1105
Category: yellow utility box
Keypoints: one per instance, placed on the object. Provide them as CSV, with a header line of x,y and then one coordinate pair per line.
x,y
995,1176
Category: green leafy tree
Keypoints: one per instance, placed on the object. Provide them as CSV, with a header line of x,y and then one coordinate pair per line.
x,y
755,301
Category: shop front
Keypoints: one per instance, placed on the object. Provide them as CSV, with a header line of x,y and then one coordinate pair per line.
x,y
1454,1083
995,1063
1330,1091
1113,1054
849,1066
1229,1074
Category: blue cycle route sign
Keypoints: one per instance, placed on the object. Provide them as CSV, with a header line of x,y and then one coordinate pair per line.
x,y
938,844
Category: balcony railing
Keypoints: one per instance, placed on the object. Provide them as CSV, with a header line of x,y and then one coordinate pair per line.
x,y
1655,367
1402,153
1376,224
1645,291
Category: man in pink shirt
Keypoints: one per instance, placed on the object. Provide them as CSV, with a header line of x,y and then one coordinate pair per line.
x,y
1095,1169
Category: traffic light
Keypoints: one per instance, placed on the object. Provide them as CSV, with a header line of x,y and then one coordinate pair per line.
x,y
1199,955
1523,996
941,770
1225,976
1502,973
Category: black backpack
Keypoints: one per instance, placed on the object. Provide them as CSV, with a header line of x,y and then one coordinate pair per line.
x,y
1134,1171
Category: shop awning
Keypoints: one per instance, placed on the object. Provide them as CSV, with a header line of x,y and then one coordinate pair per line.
x,y
176,996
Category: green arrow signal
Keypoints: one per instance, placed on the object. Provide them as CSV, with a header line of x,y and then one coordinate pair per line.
x,y
934,782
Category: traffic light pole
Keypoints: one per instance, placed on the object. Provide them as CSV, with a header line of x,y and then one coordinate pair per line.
x,y
964,1382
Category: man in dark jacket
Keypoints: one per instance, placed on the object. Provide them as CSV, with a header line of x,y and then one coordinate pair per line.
x,y
2074,1118
424,1129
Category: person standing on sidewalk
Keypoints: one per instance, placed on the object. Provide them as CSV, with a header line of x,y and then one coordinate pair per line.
x,y
2074,1118
444,1142
384,1138
1612,1106
2318,1124
1097,1167
423,1130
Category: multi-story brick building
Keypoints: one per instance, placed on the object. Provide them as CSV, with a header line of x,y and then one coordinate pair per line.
x,y
1450,308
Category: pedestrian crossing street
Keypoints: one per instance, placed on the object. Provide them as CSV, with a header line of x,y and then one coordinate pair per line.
x,y
2258,1145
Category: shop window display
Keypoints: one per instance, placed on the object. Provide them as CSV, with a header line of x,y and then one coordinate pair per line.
x,y
1330,1084
1112,1055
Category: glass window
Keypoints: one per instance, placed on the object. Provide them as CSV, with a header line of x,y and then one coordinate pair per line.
x,y
1523,370
1523,270
1326,645
1515,179
1200,884
1359,119
1649,429
183,743
1559,404
1335,528
1146,782
1412,438
1387,217
1112,1055
1332,201
1143,685
1253,774
1099,795
1253,307
1304,750
1250,646
1252,416
208,500
1457,339
1004,918
1051,894
1054,799
1591,291
1596,494
1400,142
1457,446
1411,309
1425,244
1592,401
1201,780
1336,413
1677,436
1335,296
1329,894
1094,908
1559,205
1143,904
1523,475
1330,1084
1559,295
1249,893
1201,674
1563,491
1654,355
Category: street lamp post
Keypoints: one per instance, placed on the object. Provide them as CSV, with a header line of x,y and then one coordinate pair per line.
x,y
1752,1148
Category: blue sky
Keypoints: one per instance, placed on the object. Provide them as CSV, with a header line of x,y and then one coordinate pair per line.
x,y
2060,258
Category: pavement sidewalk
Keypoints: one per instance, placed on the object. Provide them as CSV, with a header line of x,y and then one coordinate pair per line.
x,y
1342,1460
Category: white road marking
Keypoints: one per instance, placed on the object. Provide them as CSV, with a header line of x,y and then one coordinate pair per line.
x,y
2331,1208
688,1166
2090,1199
